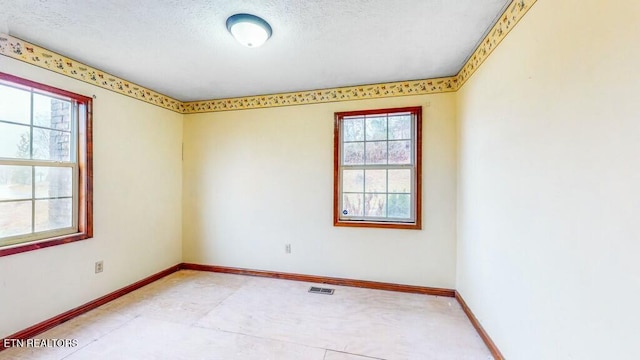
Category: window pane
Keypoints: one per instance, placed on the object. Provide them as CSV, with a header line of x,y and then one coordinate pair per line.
x,y
15,218
52,113
53,214
353,153
377,152
375,205
53,181
42,135
376,181
15,105
399,152
376,128
352,204
399,206
353,129
15,182
400,127
400,181
51,145
352,180
14,141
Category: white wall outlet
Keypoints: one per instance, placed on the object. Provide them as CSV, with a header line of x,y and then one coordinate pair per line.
x,y
287,248
99,266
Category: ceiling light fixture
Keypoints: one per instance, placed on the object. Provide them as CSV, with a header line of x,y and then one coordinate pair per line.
x,y
248,29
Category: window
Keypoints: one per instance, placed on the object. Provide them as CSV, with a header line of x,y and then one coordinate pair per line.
x,y
45,166
377,168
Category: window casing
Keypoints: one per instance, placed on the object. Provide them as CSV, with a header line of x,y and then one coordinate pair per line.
x,y
377,168
45,166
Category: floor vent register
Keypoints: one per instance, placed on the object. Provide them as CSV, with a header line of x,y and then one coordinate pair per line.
x,y
319,290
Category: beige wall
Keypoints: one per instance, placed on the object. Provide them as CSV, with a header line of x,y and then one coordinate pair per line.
x,y
137,210
545,192
255,180
549,184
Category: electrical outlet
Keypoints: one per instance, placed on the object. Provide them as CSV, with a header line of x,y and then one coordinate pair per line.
x,y
99,266
287,248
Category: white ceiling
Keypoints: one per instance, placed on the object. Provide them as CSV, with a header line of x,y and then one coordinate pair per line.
x,y
181,48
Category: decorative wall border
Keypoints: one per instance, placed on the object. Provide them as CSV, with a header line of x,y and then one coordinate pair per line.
x,y
401,88
508,20
35,55
41,57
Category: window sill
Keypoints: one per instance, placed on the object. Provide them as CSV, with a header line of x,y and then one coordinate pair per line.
x,y
41,244
382,225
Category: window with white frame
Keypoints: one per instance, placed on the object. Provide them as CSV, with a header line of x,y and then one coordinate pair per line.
x,y
377,168
45,166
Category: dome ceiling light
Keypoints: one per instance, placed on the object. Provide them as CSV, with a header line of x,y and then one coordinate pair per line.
x,y
249,30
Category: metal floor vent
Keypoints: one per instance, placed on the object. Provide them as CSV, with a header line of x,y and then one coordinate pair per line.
x,y
318,290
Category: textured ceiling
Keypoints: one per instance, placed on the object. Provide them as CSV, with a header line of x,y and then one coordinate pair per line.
x,y
181,48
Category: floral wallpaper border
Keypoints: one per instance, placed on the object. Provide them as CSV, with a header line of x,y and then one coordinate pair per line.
x,y
402,88
41,57
511,16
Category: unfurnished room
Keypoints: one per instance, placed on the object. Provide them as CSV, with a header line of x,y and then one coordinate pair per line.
x,y
319,180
